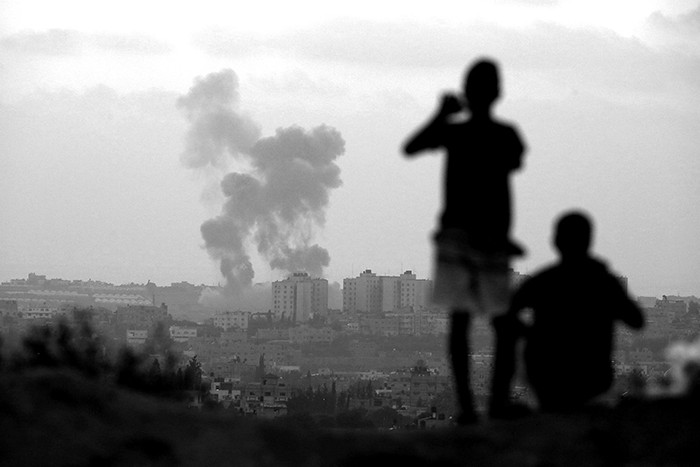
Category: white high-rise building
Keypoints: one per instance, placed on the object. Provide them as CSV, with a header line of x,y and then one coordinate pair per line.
x,y
369,293
299,297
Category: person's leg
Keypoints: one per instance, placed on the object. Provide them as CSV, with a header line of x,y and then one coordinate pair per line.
x,y
507,331
459,355
545,379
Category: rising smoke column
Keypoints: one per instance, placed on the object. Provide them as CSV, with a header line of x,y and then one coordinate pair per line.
x,y
217,128
299,171
279,202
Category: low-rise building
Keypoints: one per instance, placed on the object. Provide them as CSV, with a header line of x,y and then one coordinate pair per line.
x,y
268,334
9,308
232,319
141,316
417,389
308,334
182,334
223,389
136,337
267,398
39,312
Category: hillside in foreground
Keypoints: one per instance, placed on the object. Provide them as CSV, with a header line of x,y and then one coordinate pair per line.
x,y
62,419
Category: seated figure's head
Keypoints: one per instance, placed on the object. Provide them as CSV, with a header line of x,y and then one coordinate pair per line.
x,y
481,85
573,234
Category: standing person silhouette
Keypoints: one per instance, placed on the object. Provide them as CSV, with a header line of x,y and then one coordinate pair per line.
x,y
473,244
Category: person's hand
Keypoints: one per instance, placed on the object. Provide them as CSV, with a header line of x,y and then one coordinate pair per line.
x,y
450,104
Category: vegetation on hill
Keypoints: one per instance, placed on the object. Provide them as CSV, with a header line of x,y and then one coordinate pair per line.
x,y
64,401
60,417
78,348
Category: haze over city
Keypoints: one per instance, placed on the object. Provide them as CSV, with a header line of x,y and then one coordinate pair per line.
x,y
113,164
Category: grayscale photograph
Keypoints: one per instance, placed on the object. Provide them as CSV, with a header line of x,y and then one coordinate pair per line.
x,y
364,233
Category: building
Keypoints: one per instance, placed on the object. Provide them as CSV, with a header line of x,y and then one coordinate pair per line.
x,y
141,316
119,299
373,294
675,308
39,312
9,308
272,334
181,297
414,388
299,297
307,335
379,325
37,289
136,337
413,292
362,293
232,319
223,389
182,334
267,398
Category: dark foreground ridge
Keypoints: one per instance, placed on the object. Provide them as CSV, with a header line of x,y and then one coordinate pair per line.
x,y
59,418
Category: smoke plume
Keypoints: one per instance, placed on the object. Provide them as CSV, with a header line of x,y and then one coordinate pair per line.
x,y
279,202
217,129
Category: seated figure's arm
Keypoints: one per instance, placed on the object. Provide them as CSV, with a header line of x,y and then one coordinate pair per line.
x,y
626,309
510,322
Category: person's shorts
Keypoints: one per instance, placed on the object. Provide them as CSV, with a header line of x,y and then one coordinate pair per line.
x,y
468,280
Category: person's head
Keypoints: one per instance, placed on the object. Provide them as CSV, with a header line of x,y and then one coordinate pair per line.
x,y
573,235
481,85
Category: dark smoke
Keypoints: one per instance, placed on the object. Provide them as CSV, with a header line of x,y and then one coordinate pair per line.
x,y
279,202
217,130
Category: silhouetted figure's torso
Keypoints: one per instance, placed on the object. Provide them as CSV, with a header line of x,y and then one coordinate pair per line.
x,y
570,342
480,156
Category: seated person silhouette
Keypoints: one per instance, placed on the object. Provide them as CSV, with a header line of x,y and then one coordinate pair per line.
x,y
569,344
473,244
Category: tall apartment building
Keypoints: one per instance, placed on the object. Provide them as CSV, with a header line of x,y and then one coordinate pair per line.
x,y
299,297
370,293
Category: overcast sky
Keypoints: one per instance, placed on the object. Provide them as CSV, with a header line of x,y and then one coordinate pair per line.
x,y
98,180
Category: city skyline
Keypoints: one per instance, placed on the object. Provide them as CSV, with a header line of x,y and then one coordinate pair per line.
x,y
92,137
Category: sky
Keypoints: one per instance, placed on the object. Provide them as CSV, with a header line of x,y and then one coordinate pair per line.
x,y
130,131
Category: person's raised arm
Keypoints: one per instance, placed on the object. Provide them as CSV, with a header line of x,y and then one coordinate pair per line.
x,y
428,136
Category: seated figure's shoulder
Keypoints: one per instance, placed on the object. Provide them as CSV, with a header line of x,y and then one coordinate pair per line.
x,y
547,276
541,279
600,269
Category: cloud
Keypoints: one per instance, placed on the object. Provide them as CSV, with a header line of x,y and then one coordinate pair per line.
x,y
133,43
533,2
60,42
51,42
687,23
593,57
682,32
